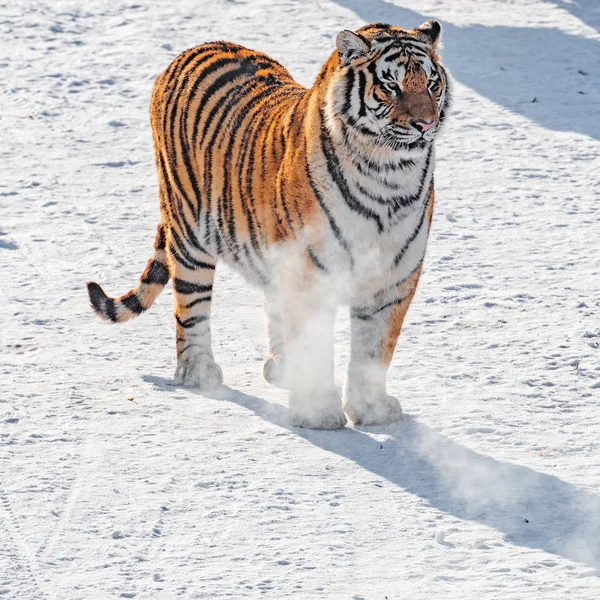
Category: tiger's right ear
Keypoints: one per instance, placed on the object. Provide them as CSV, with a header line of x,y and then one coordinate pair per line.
x,y
350,46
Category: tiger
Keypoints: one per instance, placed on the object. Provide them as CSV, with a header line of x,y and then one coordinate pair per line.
x,y
322,197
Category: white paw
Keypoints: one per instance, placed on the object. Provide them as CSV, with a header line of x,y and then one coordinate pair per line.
x,y
275,370
367,409
198,372
317,411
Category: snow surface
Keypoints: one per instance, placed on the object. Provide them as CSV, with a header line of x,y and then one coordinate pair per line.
x,y
114,483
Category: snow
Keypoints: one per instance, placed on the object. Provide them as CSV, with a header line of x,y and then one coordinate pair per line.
x,y
114,483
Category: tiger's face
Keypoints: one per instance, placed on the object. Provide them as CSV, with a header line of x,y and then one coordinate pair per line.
x,y
390,84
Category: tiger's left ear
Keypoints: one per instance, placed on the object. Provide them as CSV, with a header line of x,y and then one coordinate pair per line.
x,y
430,33
350,46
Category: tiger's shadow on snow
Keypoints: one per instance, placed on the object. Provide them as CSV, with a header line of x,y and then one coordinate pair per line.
x,y
531,509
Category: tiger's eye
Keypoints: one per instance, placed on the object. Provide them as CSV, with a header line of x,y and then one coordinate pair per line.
x,y
392,86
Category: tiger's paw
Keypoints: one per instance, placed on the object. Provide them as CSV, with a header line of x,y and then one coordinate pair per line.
x,y
369,410
200,372
275,371
319,411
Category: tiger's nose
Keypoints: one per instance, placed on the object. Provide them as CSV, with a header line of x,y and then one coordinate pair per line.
x,y
422,125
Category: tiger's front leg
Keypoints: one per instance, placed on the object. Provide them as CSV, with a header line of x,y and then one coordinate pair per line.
x,y
308,314
374,333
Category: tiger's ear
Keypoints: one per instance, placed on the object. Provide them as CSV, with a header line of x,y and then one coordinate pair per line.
x,y
350,46
430,33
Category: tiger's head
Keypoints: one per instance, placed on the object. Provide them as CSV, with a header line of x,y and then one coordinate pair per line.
x,y
388,84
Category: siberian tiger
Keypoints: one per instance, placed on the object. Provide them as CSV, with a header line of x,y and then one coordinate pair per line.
x,y
321,196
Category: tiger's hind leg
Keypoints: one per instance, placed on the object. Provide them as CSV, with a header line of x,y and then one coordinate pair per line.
x,y
193,272
275,364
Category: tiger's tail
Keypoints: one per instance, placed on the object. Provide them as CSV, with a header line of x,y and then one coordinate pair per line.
x,y
153,280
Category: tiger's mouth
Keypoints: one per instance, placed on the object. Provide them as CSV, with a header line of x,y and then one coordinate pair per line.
x,y
397,137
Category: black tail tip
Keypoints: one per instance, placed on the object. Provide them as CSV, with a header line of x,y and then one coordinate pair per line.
x,y
98,298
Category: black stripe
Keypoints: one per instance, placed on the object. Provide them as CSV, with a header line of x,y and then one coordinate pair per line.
x,y
386,76
384,36
396,285
360,128
186,255
210,51
156,272
279,195
186,287
192,321
132,302
246,174
380,104
364,316
372,68
370,196
349,79
292,118
188,346
378,167
315,260
335,171
180,259
184,225
198,301
412,237
160,242
334,227
404,40
393,57
263,150
362,84
187,160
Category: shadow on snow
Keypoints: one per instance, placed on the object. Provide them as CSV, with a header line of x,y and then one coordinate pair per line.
x,y
587,11
531,509
512,66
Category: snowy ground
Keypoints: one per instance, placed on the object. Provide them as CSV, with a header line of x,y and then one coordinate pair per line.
x,y
490,487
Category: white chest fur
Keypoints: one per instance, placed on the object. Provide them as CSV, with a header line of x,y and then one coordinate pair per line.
x,y
387,246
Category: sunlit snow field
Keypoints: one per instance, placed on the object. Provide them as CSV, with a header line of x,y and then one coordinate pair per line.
x,y
116,484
